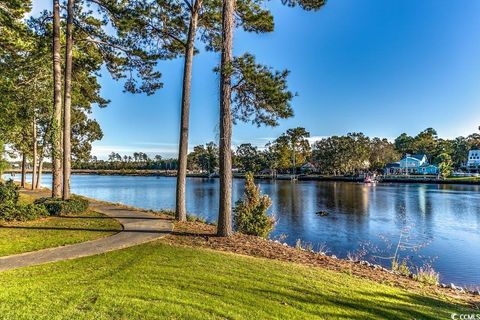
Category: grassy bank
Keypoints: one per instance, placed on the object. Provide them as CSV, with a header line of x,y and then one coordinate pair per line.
x,y
20,237
157,280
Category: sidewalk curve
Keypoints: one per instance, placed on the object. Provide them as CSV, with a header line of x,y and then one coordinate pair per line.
x,y
138,227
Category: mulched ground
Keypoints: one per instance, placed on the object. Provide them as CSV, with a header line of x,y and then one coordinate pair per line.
x,y
197,234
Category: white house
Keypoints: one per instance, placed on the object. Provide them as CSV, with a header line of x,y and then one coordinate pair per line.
x,y
307,168
473,161
411,164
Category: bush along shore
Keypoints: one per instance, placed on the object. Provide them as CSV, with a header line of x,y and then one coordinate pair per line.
x,y
11,209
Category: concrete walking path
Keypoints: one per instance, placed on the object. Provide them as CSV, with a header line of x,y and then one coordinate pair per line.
x,y
138,227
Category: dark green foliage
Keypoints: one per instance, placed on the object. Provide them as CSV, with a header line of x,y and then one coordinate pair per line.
x,y
56,206
8,192
259,94
250,214
204,158
20,212
11,14
308,5
445,165
248,158
122,52
352,153
291,149
11,210
3,163
12,10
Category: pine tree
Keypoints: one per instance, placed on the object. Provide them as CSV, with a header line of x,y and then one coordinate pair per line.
x,y
175,26
224,215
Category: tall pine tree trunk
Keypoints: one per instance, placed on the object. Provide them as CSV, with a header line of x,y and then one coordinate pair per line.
x,y
294,160
57,106
181,211
23,181
67,100
41,156
34,154
224,228
40,171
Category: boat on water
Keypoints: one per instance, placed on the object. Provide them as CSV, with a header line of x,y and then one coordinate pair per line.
x,y
369,180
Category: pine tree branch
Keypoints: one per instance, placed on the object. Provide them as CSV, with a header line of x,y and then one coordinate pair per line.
x,y
189,5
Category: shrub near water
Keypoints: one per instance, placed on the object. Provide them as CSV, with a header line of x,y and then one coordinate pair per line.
x,y
8,192
250,214
56,206
427,274
11,210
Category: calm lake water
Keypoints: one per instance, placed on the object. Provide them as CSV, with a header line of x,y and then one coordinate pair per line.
x,y
445,219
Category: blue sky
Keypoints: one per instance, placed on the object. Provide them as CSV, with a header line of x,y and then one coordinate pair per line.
x,y
375,66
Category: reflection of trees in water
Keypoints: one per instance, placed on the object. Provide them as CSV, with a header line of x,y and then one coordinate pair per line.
x,y
413,209
290,202
343,197
347,204
425,212
204,194
446,197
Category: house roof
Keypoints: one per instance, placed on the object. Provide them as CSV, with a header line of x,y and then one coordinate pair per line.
x,y
418,156
308,165
393,165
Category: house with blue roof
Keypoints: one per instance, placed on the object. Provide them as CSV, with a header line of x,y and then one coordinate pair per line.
x,y
411,164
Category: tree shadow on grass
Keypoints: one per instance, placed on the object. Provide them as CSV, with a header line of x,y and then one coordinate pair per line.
x,y
110,217
369,305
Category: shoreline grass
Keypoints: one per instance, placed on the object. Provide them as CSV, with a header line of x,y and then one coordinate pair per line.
x,y
158,281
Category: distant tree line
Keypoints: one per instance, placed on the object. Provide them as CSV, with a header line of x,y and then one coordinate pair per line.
x,y
135,161
337,155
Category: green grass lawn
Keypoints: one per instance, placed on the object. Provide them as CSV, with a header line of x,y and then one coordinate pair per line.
x,y
19,237
158,281
464,179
